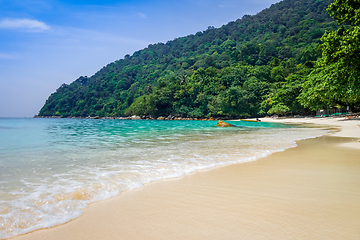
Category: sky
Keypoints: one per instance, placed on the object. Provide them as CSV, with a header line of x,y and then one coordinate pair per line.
x,y
45,43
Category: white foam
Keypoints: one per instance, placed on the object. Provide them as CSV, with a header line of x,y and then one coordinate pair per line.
x,y
62,197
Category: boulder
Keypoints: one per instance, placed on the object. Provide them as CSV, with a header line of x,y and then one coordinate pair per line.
x,y
224,124
134,117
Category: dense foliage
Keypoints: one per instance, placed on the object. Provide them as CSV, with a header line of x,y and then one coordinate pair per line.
x,y
248,67
336,79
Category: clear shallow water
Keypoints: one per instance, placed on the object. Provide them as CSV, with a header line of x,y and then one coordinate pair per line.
x,y
51,169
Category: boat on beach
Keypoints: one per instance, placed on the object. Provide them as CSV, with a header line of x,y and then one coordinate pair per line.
x,y
250,120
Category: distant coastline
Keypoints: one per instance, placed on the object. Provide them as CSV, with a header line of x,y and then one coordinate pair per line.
x,y
134,117
274,117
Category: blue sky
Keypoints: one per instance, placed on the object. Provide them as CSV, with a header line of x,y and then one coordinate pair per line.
x,y
44,43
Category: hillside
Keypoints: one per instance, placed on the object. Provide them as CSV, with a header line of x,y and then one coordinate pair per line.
x,y
232,71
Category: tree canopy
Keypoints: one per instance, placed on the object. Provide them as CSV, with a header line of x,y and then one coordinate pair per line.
x,y
336,79
248,67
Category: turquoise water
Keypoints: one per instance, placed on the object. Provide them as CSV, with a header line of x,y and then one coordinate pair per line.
x,y
51,169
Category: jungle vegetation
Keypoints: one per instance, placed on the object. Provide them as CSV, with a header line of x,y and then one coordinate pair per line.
x,y
291,58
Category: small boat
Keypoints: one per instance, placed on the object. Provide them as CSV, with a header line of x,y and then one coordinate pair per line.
x,y
248,120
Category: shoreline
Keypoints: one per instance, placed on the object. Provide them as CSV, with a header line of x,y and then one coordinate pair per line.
x,y
100,220
348,127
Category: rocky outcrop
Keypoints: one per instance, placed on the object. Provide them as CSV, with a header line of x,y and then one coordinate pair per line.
x,y
224,124
134,117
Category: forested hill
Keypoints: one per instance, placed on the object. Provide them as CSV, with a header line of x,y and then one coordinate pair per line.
x,y
237,70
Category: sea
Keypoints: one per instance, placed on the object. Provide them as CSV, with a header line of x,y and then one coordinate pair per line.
x,y
52,169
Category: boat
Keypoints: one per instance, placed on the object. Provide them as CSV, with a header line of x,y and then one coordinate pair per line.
x,y
250,120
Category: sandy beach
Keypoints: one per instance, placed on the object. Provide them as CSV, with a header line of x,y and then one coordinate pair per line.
x,y
347,128
311,191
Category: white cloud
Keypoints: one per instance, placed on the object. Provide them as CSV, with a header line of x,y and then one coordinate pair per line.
x,y
24,24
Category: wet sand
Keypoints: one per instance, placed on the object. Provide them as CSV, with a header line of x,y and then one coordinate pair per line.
x,y
308,192
346,128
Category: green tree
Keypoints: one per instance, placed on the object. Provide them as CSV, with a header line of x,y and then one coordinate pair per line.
x,y
285,101
336,79
345,11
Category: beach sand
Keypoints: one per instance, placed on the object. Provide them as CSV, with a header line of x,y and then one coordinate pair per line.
x,y
347,128
308,192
